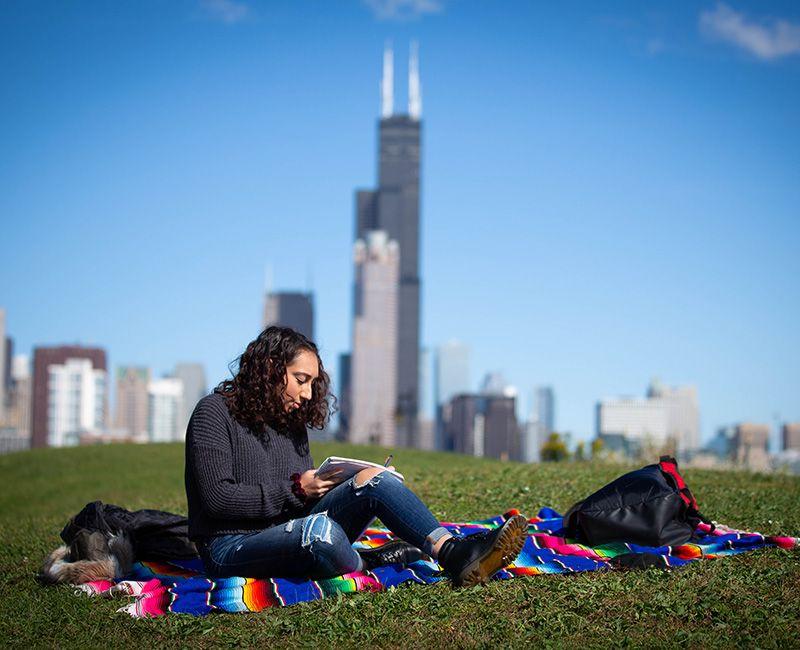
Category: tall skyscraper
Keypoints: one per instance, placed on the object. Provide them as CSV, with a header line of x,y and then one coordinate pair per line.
x,y
131,415
290,309
531,433
70,395
373,387
494,383
393,207
722,444
3,387
463,425
544,411
483,425
343,394
451,377
750,444
425,397
451,371
165,409
6,377
426,428
19,408
540,423
790,434
193,376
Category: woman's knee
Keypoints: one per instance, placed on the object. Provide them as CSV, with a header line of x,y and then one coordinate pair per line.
x,y
373,476
366,475
328,544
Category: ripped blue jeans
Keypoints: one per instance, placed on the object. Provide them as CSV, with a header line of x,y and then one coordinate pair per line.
x,y
320,544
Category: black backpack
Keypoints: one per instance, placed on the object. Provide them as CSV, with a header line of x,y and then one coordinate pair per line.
x,y
154,534
650,507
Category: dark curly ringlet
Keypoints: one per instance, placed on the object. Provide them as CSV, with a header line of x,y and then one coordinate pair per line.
x,y
255,393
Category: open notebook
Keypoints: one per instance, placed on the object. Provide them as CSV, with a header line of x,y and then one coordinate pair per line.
x,y
349,467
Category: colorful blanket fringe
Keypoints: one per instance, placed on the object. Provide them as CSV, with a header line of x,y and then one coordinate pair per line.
x,y
158,588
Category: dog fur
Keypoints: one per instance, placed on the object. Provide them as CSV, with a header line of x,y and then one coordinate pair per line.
x,y
91,556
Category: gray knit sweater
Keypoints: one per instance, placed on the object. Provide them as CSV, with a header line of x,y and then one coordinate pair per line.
x,y
238,481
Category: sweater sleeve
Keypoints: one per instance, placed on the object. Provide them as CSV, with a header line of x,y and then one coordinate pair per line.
x,y
221,496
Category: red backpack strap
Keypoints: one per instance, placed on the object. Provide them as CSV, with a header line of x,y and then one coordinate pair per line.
x,y
669,466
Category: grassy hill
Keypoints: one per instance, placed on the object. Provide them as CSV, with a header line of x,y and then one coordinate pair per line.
x,y
749,600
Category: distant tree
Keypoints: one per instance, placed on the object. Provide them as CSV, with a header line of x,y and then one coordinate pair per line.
x,y
653,448
554,450
597,447
580,452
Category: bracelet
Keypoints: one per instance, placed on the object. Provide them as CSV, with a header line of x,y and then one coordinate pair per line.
x,y
297,489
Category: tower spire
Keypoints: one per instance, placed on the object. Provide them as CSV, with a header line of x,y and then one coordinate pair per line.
x,y
414,88
387,84
267,278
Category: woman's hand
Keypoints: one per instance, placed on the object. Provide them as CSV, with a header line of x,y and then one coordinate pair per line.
x,y
316,486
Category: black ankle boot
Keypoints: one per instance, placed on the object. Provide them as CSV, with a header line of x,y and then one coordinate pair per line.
x,y
474,559
395,552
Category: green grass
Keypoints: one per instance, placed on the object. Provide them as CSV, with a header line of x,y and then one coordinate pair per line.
x,y
748,600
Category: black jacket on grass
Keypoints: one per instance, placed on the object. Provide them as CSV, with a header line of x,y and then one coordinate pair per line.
x,y
238,480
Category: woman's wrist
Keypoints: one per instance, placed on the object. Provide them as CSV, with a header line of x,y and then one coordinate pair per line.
x,y
297,487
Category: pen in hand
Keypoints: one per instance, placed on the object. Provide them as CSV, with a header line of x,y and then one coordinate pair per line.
x,y
388,460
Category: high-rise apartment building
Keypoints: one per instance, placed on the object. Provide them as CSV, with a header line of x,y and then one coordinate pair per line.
x,y
7,377
131,416
290,309
540,423
721,446
343,394
165,410
483,425
544,410
464,425
425,397
193,376
426,431
393,207
494,383
19,397
532,441
3,361
683,413
624,424
426,434
668,418
451,377
790,435
451,371
750,444
70,395
373,381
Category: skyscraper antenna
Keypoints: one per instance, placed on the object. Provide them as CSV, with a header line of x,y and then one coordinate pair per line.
x,y
267,278
414,87
387,83
309,278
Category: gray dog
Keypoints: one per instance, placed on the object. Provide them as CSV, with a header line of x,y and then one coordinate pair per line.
x,y
91,556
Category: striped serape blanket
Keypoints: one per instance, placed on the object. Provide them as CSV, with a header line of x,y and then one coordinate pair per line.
x,y
158,588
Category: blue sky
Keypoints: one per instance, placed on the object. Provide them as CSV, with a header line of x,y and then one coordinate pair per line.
x,y
609,193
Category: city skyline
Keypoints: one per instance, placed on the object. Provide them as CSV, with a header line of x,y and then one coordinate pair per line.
x,y
607,197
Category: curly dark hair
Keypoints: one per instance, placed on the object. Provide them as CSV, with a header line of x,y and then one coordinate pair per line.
x,y
255,393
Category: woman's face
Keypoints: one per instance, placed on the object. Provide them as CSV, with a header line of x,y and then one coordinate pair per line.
x,y
300,374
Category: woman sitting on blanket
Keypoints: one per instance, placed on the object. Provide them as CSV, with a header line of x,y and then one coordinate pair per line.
x,y
258,509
